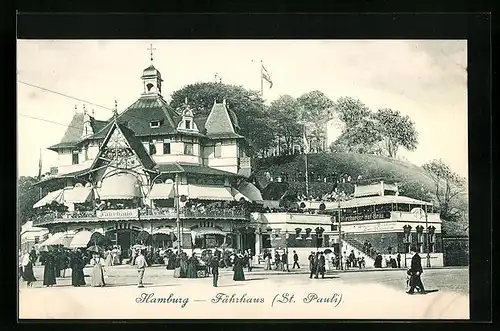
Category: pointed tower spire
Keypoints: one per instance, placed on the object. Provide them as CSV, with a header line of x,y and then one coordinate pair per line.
x,y
84,109
76,109
93,112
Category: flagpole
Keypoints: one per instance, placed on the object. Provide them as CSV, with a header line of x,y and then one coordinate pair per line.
x,y
261,81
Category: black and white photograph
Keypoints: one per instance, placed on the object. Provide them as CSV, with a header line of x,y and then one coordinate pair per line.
x,y
243,179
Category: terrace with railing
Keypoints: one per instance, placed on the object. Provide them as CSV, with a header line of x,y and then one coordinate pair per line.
x,y
139,214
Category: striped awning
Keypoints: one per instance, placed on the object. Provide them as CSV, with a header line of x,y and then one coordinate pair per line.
x,y
78,194
122,186
251,192
162,191
81,239
49,198
58,238
210,193
200,232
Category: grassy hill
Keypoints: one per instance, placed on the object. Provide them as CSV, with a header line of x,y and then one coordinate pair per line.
x,y
412,180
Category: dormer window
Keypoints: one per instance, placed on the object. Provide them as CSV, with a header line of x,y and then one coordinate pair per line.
x,y
149,87
188,124
154,124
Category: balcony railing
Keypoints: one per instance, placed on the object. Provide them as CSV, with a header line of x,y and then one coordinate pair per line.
x,y
144,214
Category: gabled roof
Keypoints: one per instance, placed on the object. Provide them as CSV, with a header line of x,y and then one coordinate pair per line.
x,y
219,124
138,116
193,169
134,143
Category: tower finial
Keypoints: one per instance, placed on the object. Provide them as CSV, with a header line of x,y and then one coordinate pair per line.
x,y
151,49
76,109
115,111
84,109
93,112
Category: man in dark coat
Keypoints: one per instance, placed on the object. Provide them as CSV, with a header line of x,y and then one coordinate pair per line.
x,y
398,258
295,260
315,265
415,272
214,266
311,261
321,266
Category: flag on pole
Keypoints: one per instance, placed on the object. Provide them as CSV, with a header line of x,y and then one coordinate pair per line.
x,y
40,165
266,76
305,142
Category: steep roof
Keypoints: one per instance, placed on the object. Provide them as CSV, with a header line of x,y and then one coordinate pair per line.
x,y
138,116
219,123
73,135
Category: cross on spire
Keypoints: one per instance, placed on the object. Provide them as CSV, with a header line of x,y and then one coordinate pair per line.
x,y
115,110
151,49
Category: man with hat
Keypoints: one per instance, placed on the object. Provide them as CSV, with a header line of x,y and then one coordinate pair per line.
x,y
214,267
415,272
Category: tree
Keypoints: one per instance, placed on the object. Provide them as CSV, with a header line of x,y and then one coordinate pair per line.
x,y
285,114
28,195
362,137
448,188
351,111
247,105
396,131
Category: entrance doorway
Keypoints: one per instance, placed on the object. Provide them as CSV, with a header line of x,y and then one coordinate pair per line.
x,y
124,238
248,240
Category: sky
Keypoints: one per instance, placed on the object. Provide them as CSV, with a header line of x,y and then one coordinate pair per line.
x,y
425,79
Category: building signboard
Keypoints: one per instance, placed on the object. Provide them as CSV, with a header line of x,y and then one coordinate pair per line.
x,y
118,214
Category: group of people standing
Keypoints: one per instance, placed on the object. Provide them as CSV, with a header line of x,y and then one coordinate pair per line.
x,y
280,261
317,265
55,262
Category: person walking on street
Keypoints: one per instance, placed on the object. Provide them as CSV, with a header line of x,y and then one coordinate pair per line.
x,y
415,272
398,258
141,263
214,266
295,260
284,259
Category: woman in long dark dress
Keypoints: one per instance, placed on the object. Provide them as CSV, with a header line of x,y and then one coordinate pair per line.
x,y
177,263
238,268
192,265
49,270
171,261
77,277
27,273
183,264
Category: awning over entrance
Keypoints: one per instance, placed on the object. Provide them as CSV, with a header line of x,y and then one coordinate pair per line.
x,y
162,191
49,198
210,193
169,231
81,239
58,238
78,194
250,191
122,186
200,232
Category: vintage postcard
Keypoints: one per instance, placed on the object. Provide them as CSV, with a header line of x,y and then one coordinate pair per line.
x,y
243,179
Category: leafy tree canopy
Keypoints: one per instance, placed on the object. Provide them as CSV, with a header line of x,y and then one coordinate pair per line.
x,y
396,130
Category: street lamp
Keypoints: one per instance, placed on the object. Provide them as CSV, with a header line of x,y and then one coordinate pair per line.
x,y
340,233
427,238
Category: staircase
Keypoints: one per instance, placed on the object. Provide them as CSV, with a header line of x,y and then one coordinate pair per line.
x,y
351,244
